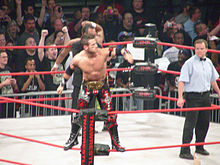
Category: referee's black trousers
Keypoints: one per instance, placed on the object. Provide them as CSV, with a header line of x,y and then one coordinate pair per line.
x,y
196,119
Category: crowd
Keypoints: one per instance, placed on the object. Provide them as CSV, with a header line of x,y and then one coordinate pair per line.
x,y
181,25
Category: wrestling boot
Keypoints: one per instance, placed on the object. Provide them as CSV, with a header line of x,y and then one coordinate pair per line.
x,y
73,139
113,131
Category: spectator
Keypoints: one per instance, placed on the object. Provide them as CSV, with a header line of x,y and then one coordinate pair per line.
x,y
29,30
112,22
9,7
58,25
4,20
57,15
171,79
9,53
5,8
8,85
184,15
2,39
171,27
202,32
98,18
22,55
11,58
195,15
61,37
30,83
47,60
127,22
29,9
172,52
12,32
110,4
49,12
26,3
77,26
140,15
76,17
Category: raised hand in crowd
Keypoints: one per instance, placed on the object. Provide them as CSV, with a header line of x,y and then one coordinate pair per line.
x,y
168,24
18,12
66,35
18,2
65,29
44,33
113,11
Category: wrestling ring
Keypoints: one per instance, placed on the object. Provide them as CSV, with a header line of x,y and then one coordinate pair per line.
x,y
154,135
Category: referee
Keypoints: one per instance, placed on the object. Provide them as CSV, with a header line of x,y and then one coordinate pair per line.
x,y
197,76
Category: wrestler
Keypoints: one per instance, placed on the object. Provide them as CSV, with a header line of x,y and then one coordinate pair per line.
x,y
93,62
88,27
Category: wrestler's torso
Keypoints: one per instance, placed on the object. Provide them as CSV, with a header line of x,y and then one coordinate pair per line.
x,y
93,66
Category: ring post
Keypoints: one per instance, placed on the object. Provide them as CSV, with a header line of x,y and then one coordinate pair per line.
x,y
87,148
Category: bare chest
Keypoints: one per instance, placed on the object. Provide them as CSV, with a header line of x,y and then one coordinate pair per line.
x,y
96,64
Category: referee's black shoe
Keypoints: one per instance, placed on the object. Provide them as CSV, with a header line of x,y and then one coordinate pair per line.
x,y
186,156
202,151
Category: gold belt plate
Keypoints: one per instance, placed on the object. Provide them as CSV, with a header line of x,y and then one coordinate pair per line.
x,y
94,85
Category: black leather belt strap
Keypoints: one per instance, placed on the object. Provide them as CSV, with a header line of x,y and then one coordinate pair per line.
x,y
197,93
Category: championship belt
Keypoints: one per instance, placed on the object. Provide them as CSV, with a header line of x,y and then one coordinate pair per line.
x,y
94,85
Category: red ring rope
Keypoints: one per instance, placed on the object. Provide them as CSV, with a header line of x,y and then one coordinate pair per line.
x,y
165,110
107,44
134,149
12,162
213,107
171,146
39,104
35,141
34,47
61,72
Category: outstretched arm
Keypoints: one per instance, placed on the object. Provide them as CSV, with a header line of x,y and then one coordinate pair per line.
x,y
18,12
66,35
42,13
64,53
215,30
44,33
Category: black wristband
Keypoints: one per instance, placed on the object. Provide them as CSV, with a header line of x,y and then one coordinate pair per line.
x,y
63,82
69,71
118,50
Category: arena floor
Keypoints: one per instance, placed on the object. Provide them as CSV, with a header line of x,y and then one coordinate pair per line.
x,y
136,131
